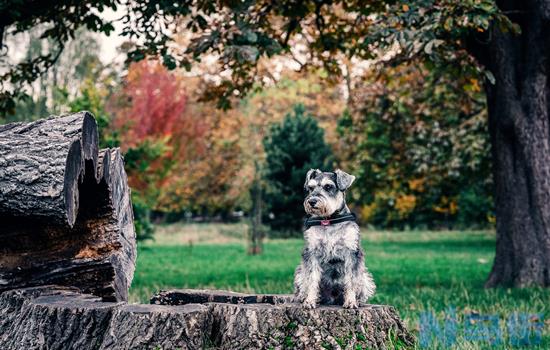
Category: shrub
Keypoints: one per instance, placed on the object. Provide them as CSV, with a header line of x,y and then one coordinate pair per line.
x,y
292,148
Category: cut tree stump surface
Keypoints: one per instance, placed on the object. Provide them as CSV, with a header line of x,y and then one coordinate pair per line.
x,y
201,296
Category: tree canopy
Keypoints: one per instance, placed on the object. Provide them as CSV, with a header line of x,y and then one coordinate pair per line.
x,y
240,33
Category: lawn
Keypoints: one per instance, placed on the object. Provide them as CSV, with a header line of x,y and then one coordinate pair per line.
x,y
416,271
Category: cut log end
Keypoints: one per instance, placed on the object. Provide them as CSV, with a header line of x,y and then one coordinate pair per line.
x,y
82,161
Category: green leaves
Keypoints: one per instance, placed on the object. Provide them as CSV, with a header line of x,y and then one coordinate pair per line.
x,y
292,148
416,142
240,32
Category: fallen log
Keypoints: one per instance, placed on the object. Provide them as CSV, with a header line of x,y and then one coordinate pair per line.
x,y
42,164
65,209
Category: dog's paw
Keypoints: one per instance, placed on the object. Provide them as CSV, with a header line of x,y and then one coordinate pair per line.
x,y
308,304
350,303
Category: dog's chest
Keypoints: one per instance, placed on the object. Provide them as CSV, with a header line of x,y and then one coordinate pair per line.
x,y
332,240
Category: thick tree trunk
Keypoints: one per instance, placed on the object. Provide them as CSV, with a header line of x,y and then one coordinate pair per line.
x,y
65,209
520,134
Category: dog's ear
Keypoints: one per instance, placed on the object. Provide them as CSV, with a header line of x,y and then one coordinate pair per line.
x,y
343,179
311,174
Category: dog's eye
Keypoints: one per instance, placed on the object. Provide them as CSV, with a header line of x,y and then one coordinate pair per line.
x,y
328,187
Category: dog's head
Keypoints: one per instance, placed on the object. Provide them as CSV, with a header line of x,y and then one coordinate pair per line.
x,y
325,191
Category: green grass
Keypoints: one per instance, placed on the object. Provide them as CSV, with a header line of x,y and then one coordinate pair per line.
x,y
415,271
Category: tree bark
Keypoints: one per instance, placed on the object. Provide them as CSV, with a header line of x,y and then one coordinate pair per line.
x,y
256,233
519,107
65,209
256,321
52,318
42,163
157,327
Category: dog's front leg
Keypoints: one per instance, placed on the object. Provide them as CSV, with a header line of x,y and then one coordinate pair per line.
x,y
311,282
350,297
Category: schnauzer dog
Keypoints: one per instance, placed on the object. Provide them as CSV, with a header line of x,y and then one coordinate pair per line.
x,y
332,271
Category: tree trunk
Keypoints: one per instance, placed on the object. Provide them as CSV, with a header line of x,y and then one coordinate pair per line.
x,y
256,229
518,105
65,209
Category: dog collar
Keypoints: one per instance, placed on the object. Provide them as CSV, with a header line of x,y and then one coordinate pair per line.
x,y
330,221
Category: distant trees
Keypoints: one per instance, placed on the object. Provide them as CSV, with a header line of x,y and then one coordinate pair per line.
x,y
417,140
181,154
502,42
146,113
292,148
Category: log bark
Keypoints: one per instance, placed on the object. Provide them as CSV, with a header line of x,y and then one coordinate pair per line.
x,y
519,127
42,163
65,209
61,318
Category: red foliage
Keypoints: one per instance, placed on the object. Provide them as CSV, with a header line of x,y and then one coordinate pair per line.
x,y
150,119
155,103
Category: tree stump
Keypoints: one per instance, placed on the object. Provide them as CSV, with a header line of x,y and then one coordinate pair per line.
x,y
250,321
201,296
52,317
65,208
157,326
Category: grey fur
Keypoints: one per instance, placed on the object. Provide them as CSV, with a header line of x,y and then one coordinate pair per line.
x,y
332,271
343,179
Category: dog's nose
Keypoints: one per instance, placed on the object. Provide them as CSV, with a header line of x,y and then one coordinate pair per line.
x,y
312,201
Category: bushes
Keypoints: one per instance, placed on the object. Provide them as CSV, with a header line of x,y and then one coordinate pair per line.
x,y
418,143
142,219
292,148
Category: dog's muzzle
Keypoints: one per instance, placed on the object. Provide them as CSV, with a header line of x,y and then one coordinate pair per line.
x,y
312,202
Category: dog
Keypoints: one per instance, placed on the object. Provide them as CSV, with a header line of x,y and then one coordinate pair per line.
x,y
332,271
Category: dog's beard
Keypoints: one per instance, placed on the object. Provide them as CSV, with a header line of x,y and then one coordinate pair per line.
x,y
325,207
